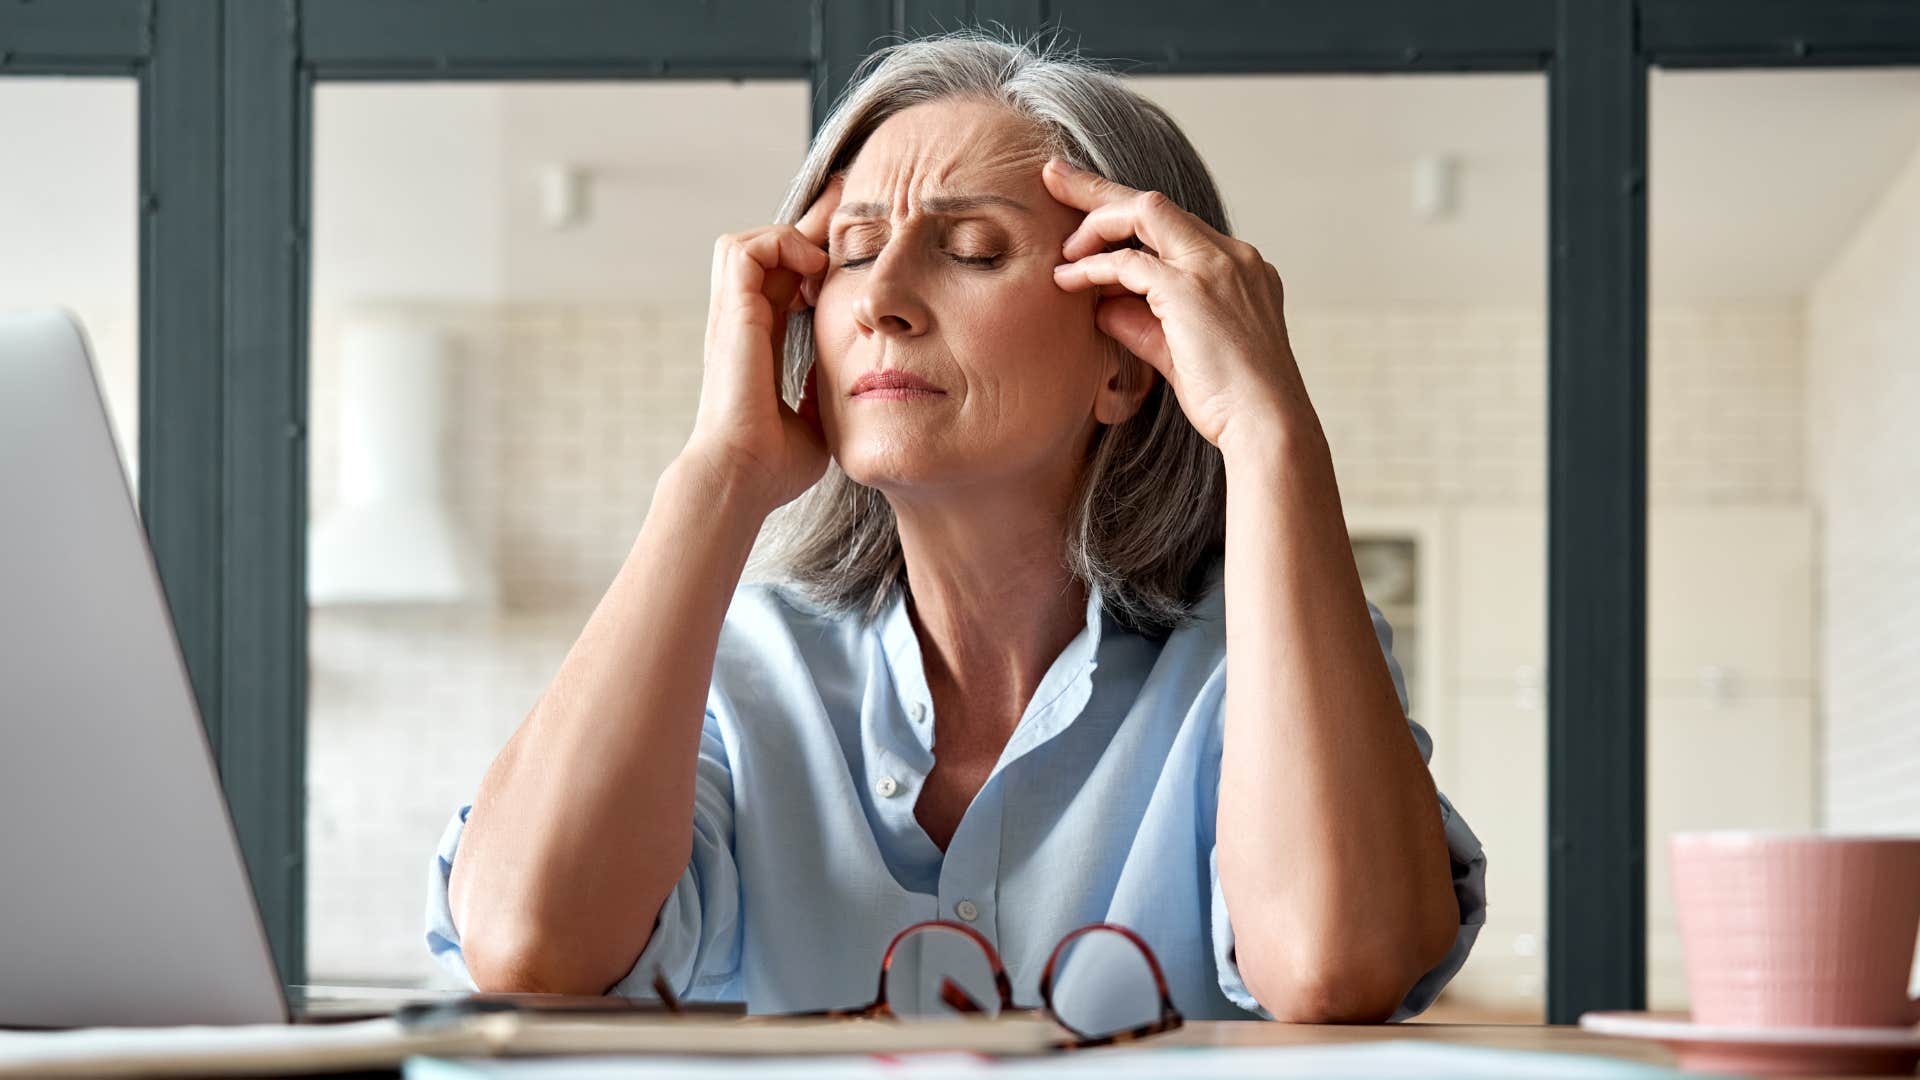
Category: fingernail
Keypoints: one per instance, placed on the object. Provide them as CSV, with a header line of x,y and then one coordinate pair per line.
x,y
1065,166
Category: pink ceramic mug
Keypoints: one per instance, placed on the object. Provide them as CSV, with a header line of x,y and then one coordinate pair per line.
x,y
1798,930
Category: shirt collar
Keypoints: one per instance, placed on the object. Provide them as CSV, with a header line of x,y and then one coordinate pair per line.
x,y
1073,668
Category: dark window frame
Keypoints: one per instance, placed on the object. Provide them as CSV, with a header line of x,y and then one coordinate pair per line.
x,y
226,90
172,51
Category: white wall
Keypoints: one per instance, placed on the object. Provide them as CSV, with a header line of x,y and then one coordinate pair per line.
x,y
69,221
1863,392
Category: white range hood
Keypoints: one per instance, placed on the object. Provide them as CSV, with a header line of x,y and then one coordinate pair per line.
x,y
391,538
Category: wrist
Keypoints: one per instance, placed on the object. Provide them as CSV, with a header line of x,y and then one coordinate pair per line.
x,y
1259,442
727,489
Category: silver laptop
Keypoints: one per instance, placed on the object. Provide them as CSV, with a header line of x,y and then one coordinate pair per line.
x,y
123,895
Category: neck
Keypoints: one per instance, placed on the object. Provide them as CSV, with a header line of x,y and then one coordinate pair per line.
x,y
992,601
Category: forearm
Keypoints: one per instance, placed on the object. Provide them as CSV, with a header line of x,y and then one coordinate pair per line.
x,y
584,821
1332,855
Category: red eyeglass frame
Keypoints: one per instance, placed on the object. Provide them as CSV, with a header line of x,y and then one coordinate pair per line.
x,y
957,999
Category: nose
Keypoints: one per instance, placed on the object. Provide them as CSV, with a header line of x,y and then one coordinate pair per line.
x,y
890,300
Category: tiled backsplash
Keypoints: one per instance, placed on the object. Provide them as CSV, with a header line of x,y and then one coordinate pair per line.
x,y
564,417
405,710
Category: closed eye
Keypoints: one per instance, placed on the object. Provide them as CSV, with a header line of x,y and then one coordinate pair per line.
x,y
983,261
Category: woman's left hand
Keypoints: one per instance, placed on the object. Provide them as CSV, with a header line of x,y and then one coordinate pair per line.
x,y
1204,309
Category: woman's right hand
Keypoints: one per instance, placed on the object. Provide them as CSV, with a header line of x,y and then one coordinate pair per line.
x,y
744,429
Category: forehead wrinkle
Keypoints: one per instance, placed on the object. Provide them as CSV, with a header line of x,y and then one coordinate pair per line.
x,y
1014,160
1007,161
934,206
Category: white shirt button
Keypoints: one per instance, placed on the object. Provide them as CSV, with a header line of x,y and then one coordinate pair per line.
x,y
887,787
916,710
966,910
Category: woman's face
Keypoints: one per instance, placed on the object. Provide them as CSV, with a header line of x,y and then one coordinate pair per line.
x,y
960,294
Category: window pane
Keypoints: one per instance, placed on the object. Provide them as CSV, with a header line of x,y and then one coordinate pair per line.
x,y
1783,558
496,385
69,213
1406,216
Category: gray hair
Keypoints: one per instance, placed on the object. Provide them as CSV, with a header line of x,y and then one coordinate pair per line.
x,y
1149,516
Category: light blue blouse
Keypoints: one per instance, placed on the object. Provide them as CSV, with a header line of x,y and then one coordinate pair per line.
x,y
807,857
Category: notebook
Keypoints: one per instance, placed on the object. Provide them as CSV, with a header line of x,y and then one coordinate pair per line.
x,y
387,1042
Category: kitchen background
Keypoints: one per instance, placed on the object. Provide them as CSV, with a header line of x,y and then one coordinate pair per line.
x,y
510,288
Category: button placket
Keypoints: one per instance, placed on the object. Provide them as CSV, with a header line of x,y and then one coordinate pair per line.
x,y
889,777
970,872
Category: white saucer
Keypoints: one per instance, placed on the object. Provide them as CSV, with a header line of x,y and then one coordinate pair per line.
x,y
1769,1051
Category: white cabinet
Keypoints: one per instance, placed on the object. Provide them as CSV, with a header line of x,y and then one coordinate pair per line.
x,y
1730,598
1731,697
1500,597
1730,706
1744,763
1499,787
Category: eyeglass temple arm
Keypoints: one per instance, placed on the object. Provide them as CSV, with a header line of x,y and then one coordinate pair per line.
x,y
667,997
957,998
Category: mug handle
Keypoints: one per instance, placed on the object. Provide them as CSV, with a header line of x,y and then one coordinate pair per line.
x,y
1913,1006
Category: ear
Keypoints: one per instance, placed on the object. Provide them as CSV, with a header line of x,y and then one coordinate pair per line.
x,y
1125,382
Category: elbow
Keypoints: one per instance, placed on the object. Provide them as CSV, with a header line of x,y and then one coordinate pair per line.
x,y
525,960
512,959
552,953
519,939
1350,986
1325,991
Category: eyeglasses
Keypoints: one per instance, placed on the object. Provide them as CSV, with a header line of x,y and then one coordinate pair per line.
x,y
1102,984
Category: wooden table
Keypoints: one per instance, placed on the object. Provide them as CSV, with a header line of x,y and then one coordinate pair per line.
x,y
1541,1038
1552,1039
1531,1037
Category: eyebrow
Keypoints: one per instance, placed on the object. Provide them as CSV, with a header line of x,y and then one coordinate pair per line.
x,y
938,204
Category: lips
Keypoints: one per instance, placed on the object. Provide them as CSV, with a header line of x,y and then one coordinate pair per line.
x,y
892,379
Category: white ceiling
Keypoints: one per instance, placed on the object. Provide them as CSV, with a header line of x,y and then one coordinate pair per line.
x,y
1318,174
431,191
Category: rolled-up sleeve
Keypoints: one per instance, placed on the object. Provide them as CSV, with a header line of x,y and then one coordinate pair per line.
x,y
1469,862
696,938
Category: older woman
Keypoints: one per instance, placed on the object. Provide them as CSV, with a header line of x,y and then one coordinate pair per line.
x,y
1060,469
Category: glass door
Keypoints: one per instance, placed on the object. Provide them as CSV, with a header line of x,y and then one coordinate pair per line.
x,y
1783,555
1407,218
510,285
